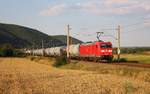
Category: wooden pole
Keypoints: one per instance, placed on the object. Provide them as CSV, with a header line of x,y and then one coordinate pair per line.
x,y
68,43
42,47
118,41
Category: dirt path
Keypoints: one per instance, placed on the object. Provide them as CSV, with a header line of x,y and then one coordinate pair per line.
x,y
22,76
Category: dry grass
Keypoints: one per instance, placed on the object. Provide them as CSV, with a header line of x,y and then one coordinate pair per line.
x,y
23,76
101,68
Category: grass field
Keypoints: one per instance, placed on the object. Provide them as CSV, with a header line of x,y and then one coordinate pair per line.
x,y
38,76
141,58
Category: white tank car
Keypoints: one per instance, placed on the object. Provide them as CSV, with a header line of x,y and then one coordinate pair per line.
x,y
51,51
55,51
34,52
58,51
74,50
28,52
47,52
38,52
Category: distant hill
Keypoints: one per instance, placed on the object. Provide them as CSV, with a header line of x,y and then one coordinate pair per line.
x,y
24,37
63,39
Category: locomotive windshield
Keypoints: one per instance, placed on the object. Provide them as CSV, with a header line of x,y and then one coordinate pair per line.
x,y
106,46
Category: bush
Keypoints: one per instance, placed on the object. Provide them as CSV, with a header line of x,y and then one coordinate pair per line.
x,y
7,51
32,58
61,60
120,60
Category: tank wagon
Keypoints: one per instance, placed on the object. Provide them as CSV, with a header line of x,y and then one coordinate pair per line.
x,y
38,52
95,51
54,51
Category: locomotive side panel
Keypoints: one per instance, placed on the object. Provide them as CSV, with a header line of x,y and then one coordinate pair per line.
x,y
88,50
96,51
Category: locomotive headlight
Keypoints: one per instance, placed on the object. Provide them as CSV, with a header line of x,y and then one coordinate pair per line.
x,y
102,50
109,50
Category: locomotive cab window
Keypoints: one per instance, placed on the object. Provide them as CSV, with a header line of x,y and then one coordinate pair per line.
x,y
106,46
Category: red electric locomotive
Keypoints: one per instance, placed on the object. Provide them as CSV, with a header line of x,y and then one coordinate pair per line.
x,y
97,51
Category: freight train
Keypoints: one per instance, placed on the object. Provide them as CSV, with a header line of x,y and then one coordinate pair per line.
x,y
94,51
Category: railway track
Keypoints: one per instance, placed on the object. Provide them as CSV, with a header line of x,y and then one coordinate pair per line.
x,y
132,64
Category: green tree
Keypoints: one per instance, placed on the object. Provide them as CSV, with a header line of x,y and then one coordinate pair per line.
x,y
6,50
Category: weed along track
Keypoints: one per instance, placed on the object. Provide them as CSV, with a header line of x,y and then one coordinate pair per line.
x,y
23,75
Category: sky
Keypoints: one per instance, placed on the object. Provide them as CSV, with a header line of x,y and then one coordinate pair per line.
x,y
85,17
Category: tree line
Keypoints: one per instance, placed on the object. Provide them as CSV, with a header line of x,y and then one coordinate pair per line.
x,y
132,50
7,50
